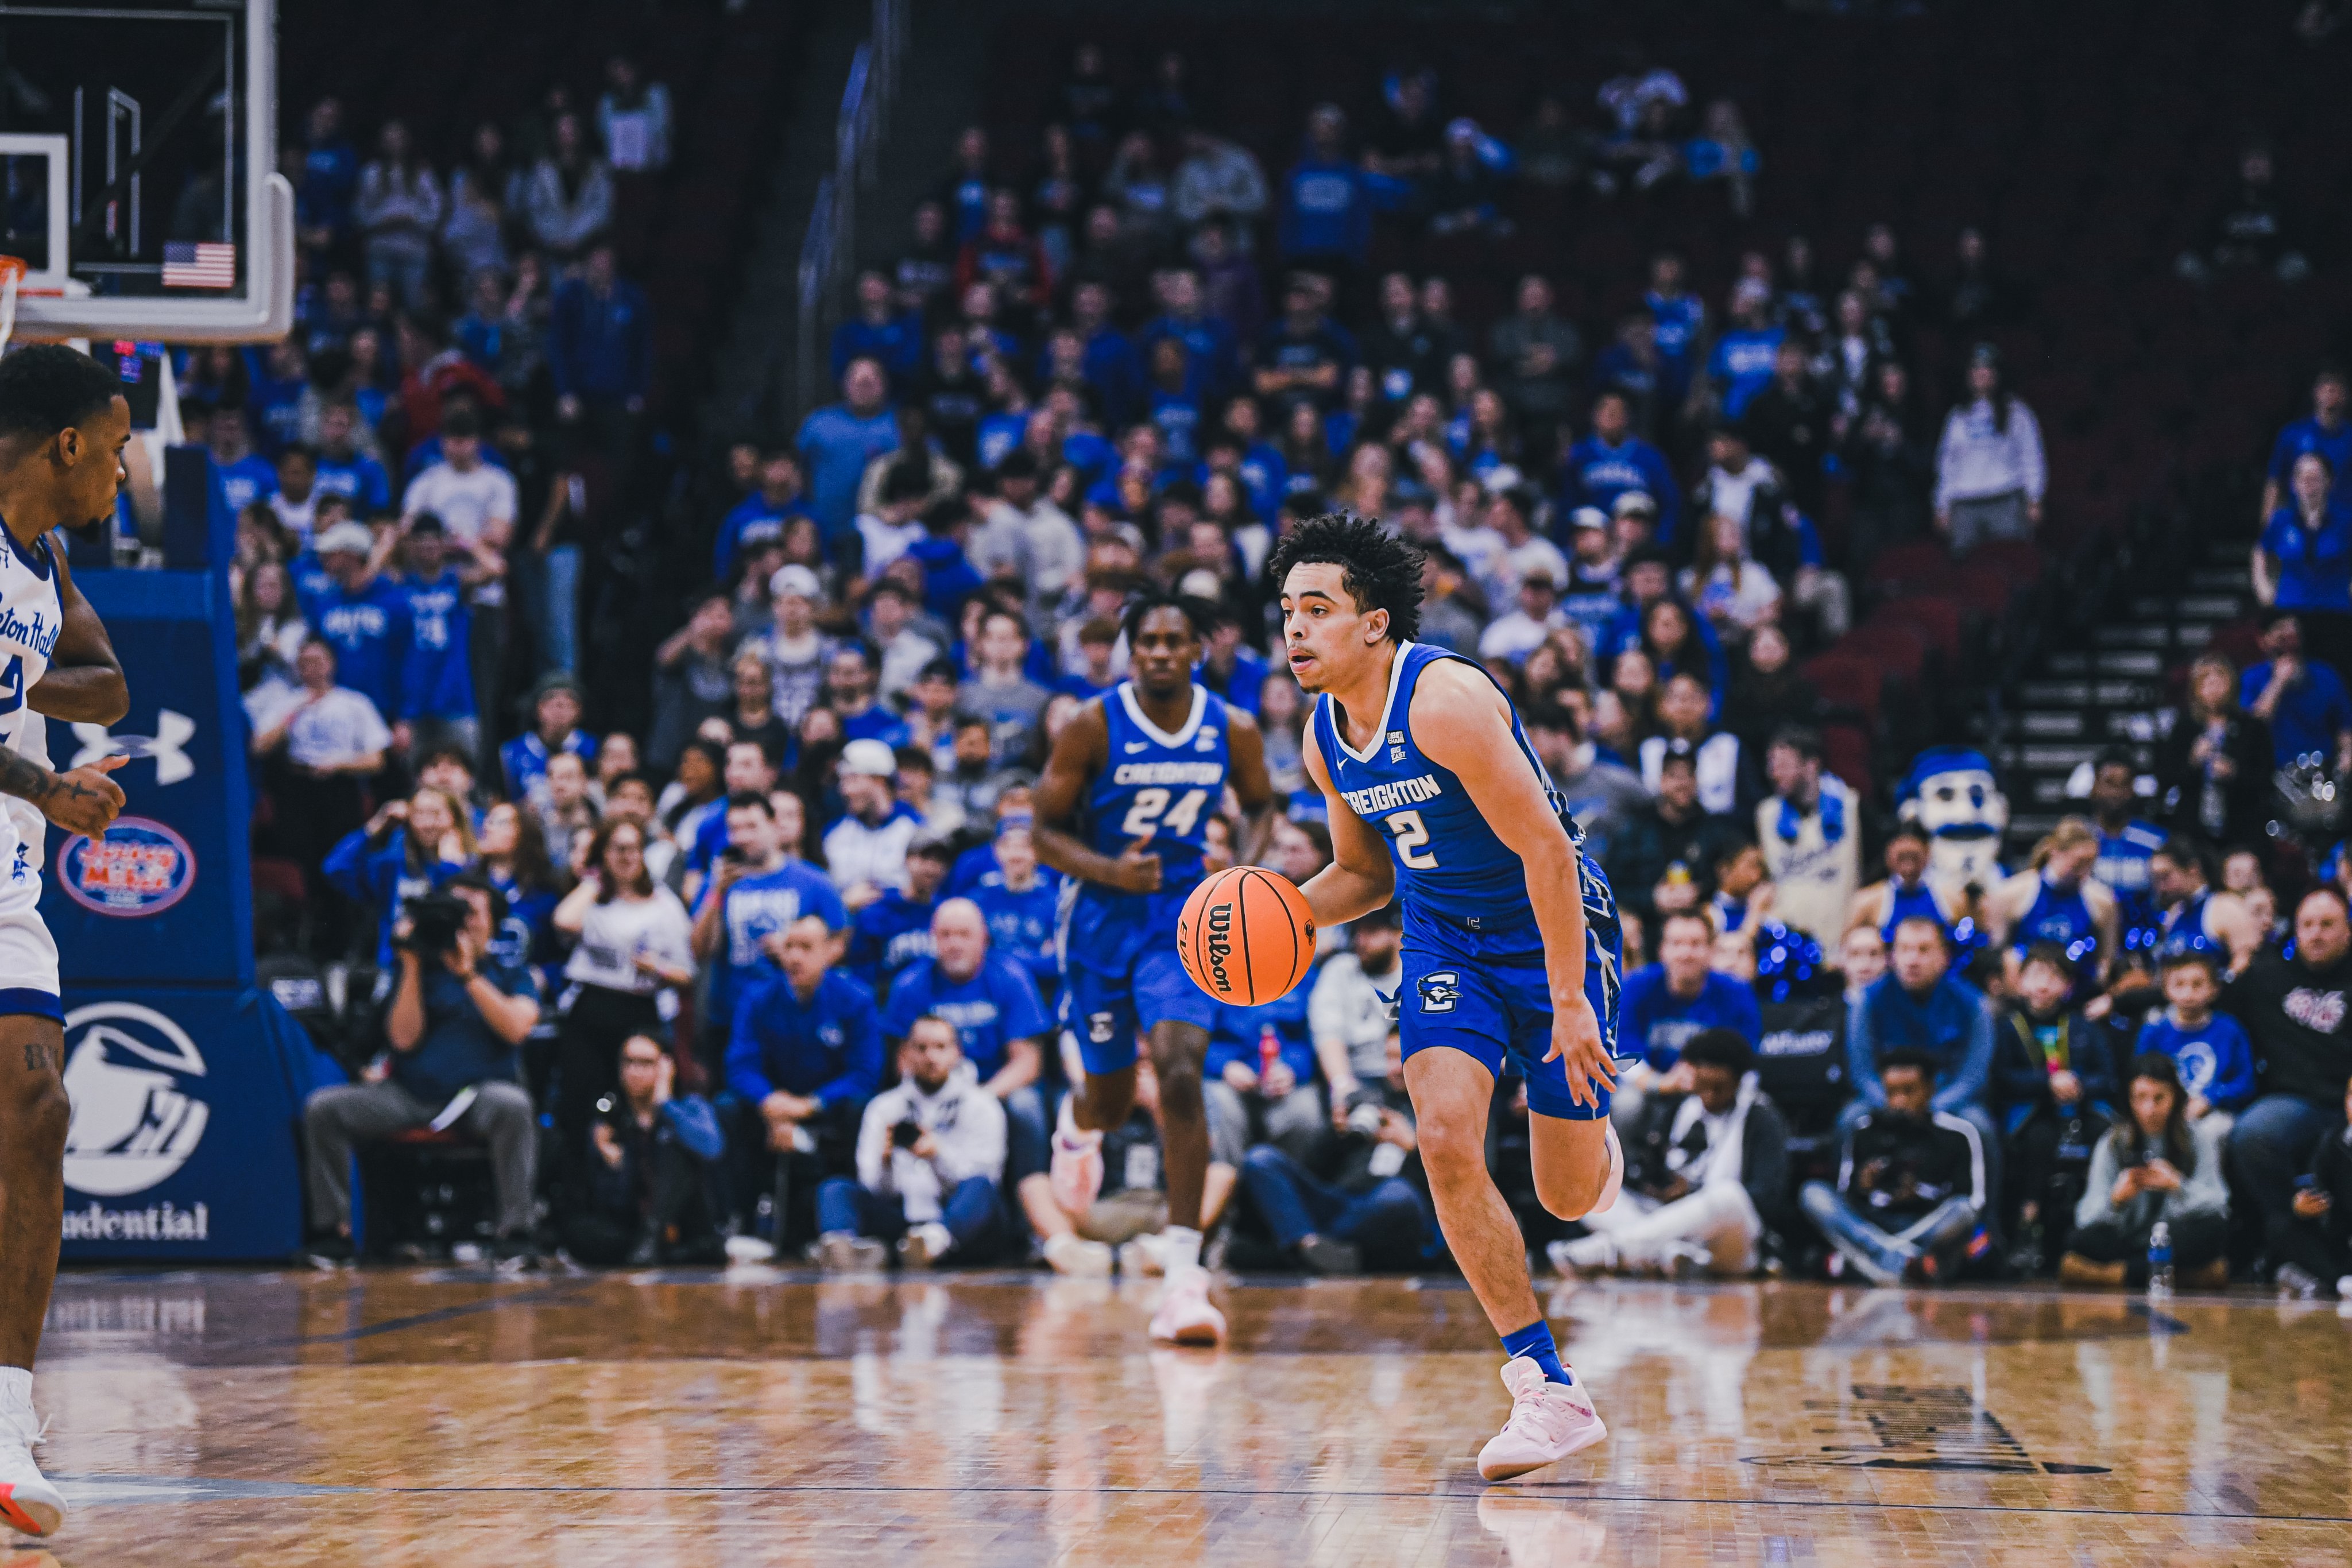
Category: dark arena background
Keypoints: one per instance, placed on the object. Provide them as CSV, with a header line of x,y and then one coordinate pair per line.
x,y
625,497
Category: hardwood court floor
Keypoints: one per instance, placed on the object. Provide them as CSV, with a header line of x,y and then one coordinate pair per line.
x,y
457,1418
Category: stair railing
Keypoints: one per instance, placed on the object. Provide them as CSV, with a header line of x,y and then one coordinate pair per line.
x,y
829,246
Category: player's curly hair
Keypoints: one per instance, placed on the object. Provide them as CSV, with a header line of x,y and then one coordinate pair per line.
x,y
45,387
1379,570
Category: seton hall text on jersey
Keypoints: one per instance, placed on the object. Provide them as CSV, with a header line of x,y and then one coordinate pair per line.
x,y
1212,774
33,633
1381,798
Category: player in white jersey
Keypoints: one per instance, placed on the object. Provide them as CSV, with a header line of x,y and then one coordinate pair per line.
x,y
63,426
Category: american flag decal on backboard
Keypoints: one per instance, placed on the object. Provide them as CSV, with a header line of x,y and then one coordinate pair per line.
x,y
206,264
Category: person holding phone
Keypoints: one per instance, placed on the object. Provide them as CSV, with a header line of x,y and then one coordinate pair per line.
x,y
2315,1242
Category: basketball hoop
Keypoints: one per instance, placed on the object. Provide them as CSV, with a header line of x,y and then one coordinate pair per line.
x,y
14,270
12,277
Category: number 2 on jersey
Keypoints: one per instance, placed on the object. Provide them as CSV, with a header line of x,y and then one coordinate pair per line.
x,y
1411,832
12,685
1143,818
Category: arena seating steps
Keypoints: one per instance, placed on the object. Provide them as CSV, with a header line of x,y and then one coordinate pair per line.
x,y
2082,699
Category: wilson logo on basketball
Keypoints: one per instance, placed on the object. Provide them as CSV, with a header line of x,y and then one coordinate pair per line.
x,y
1221,946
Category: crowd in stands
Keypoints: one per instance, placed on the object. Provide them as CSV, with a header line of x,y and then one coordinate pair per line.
x,y
780,974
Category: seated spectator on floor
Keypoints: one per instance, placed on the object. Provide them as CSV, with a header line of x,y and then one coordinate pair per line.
x,y
644,1194
2302,700
990,998
2156,1167
1706,1166
930,1152
1362,1201
1921,1004
2215,1060
2316,1243
1258,1080
1670,1002
458,1016
2055,1085
1351,1007
1810,828
2298,1013
1125,1220
803,1056
1911,1192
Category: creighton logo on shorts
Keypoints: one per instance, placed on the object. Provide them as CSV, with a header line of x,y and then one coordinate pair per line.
x,y
1439,991
132,1126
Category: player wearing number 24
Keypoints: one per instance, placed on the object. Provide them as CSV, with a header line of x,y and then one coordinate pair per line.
x,y
1123,811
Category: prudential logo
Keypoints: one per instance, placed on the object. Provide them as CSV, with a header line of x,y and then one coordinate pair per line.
x,y
128,1068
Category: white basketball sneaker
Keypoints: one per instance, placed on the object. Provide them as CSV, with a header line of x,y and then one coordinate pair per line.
x,y
1185,1315
1549,1422
1076,1173
29,1504
1074,1255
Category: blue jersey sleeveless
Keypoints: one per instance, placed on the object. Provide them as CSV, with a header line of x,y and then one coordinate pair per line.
x,y
2184,932
2060,915
1159,786
2123,865
1912,904
1449,860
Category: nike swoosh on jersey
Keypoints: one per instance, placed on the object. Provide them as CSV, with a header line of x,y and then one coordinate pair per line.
x,y
1135,745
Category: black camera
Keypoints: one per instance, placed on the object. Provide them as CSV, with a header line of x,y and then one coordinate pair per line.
x,y
434,921
906,1135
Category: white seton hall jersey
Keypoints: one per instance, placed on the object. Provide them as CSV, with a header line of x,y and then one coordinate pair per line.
x,y
30,617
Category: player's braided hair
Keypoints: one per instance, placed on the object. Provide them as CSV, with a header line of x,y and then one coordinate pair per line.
x,y
1379,570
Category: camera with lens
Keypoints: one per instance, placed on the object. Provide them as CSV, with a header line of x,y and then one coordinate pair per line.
x,y
906,1135
1364,1108
434,919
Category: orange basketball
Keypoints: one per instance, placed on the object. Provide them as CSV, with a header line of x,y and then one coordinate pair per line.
x,y
1245,935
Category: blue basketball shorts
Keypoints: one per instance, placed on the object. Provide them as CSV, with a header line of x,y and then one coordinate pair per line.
x,y
1121,976
1486,993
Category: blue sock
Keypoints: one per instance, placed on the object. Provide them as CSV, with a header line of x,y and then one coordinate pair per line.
x,y
1535,1341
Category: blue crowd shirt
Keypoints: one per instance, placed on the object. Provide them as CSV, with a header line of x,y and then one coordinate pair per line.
x,y
2311,712
828,1047
1661,1023
2216,1059
994,1007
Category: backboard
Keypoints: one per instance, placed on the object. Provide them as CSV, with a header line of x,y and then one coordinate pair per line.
x,y
138,169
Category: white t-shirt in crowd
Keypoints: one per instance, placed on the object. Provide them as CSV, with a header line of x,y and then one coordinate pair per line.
x,y
341,726
466,503
614,934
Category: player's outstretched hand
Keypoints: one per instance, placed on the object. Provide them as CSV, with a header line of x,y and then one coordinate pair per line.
x,y
1576,1040
85,799
1137,870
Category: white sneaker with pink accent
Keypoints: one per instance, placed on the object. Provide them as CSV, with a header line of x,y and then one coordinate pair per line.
x,y
1185,1315
1549,1422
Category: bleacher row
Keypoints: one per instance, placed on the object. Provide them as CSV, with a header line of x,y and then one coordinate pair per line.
x,y
445,66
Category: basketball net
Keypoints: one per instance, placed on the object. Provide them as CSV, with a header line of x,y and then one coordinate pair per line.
x,y
12,277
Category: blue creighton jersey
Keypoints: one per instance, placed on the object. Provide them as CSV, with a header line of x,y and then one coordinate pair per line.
x,y
1159,786
1448,860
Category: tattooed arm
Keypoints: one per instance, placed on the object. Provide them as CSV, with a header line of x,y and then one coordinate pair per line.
x,y
84,684
83,800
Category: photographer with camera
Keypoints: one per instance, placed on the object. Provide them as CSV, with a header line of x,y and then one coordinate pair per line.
x,y
1365,1203
644,1195
930,1153
458,1016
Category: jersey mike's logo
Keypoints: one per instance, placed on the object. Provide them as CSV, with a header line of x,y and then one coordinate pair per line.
x,y
136,867
1220,943
127,1070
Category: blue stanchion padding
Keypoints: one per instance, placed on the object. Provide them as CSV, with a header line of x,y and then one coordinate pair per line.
x,y
184,1107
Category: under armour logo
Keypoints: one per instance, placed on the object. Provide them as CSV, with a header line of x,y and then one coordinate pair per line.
x,y
173,732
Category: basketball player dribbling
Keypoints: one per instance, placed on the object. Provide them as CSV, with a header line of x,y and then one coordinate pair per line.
x,y
1512,952
1123,810
63,426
